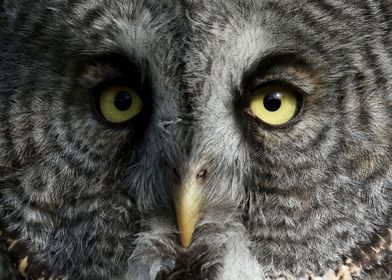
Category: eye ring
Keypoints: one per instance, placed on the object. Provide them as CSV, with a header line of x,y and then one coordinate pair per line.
x,y
267,100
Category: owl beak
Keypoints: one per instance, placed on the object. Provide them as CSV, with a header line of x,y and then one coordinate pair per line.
x,y
188,205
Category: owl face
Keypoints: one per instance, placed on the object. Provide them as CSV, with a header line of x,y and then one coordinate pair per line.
x,y
203,140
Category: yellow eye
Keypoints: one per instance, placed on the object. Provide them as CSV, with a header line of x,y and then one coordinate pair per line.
x,y
119,104
275,104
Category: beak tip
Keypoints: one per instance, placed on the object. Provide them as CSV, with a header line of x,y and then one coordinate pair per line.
x,y
187,229
185,241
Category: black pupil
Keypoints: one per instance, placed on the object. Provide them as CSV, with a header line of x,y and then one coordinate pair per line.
x,y
273,101
123,101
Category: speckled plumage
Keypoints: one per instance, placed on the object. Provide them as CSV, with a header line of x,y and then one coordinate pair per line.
x,y
85,200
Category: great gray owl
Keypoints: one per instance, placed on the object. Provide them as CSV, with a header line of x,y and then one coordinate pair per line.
x,y
196,139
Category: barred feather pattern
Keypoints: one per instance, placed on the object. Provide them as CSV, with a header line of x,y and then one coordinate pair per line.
x,y
81,199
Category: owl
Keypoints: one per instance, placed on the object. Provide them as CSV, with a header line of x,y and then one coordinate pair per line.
x,y
209,139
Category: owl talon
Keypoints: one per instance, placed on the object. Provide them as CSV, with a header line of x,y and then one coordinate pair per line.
x,y
23,265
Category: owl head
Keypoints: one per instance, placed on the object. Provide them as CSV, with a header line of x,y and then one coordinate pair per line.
x,y
197,140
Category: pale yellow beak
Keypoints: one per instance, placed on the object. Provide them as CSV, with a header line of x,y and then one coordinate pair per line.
x,y
188,205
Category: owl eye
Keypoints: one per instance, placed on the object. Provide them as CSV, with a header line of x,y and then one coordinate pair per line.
x,y
119,104
275,104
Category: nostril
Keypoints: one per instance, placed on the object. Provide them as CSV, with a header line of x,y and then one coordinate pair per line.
x,y
175,171
202,174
